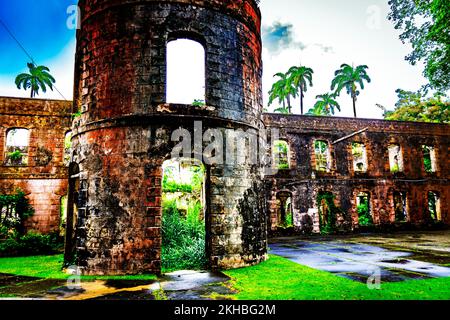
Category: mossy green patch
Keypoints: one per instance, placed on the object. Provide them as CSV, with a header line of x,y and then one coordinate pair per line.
x,y
50,267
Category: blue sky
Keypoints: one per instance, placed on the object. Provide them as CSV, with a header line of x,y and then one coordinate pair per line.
x,y
40,25
321,34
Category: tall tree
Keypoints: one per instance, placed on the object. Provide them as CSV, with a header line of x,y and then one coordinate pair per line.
x,y
411,106
349,77
325,105
37,78
301,77
426,26
283,90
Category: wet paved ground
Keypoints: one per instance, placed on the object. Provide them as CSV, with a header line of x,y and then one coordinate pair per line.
x,y
398,257
181,285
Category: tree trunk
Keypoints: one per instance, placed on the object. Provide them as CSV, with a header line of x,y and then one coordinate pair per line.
x,y
289,104
301,100
354,106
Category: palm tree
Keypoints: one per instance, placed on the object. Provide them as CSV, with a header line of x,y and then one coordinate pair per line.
x,y
349,77
282,90
38,78
300,78
282,110
327,103
316,111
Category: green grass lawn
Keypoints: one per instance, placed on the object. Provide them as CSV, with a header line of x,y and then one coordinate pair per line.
x,y
275,279
49,267
281,279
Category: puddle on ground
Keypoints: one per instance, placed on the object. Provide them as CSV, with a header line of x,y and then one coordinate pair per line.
x,y
35,289
7,279
357,261
122,284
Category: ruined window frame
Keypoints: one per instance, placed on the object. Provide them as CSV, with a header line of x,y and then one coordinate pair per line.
x,y
197,39
289,209
404,202
396,161
364,194
281,158
363,157
429,151
17,155
323,159
437,206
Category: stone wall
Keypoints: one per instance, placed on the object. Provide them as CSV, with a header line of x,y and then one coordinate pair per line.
x,y
304,182
44,177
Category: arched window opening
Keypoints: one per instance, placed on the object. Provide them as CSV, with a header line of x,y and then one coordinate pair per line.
x,y
281,155
285,211
17,141
322,155
183,215
395,158
359,157
185,72
364,210
429,159
434,206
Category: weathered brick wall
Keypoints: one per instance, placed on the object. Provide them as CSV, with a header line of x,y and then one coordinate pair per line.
x,y
304,182
44,180
123,136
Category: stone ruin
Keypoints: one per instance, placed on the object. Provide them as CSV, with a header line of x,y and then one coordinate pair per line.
x,y
112,176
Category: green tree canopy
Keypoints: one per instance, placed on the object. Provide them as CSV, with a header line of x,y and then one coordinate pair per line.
x,y
412,106
282,90
325,105
426,25
37,78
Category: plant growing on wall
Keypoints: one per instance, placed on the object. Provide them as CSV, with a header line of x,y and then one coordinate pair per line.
x,y
328,212
15,156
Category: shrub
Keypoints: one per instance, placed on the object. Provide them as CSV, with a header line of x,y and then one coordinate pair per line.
x,y
183,245
14,209
30,244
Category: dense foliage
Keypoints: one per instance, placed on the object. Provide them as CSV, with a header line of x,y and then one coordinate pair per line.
x,y
426,26
328,212
183,224
412,106
14,210
31,244
183,244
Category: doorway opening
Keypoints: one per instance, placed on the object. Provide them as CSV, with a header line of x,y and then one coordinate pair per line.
x,y
285,212
401,213
363,207
183,215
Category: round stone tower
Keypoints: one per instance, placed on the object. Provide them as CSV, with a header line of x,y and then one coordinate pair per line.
x,y
126,131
